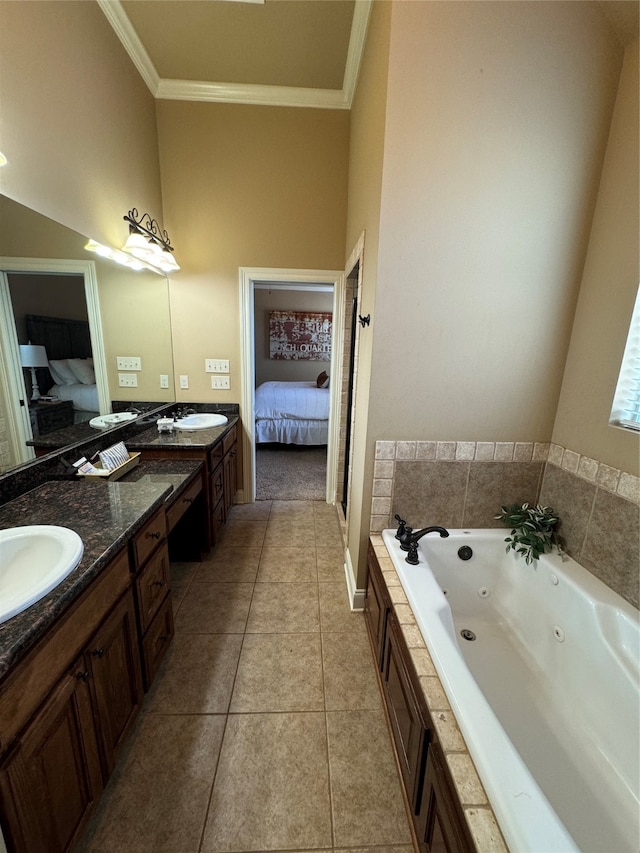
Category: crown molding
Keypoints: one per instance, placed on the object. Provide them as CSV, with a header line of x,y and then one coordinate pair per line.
x,y
123,28
238,93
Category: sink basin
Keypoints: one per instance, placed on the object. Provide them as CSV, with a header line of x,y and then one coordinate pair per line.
x,y
33,560
106,421
202,420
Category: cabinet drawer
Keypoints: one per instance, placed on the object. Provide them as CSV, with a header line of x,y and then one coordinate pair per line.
x,y
229,440
157,641
34,677
217,521
217,484
149,537
182,504
215,456
151,586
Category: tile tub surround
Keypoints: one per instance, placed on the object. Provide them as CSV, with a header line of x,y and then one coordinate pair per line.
x,y
265,728
477,810
464,483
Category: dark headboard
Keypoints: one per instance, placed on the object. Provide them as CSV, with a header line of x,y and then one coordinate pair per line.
x,y
60,337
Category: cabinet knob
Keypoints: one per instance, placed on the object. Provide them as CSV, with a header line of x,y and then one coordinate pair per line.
x,y
155,535
188,500
98,653
158,583
82,676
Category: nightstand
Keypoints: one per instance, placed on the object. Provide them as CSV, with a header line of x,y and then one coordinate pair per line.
x,y
48,417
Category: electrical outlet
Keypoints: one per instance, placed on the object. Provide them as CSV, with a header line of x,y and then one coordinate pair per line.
x,y
164,380
216,365
184,381
127,380
129,362
219,382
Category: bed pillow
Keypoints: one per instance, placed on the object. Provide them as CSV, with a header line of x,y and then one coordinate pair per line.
x,y
63,372
82,370
323,380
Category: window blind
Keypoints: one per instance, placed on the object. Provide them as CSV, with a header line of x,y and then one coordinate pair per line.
x,y
626,403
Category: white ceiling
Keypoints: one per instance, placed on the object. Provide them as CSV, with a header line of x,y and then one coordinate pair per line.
x,y
282,52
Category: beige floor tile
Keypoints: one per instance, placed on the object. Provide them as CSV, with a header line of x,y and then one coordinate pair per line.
x,y
384,848
330,563
229,563
328,531
245,533
287,565
157,800
335,611
350,681
291,534
177,596
271,790
292,509
279,672
284,608
258,509
182,573
368,809
214,608
197,675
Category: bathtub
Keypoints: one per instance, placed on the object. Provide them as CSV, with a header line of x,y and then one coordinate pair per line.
x,y
547,695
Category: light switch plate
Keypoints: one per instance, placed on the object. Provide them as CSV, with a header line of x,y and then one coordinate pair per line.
x,y
220,382
216,365
127,380
129,362
164,380
184,381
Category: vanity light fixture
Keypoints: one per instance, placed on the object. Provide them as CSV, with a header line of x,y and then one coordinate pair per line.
x,y
148,242
32,356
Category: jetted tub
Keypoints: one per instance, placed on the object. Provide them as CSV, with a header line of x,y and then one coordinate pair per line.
x,y
547,695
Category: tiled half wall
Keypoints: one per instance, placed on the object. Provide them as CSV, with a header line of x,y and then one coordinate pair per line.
x,y
464,484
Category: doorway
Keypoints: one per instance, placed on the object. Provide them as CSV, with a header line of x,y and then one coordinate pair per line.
x,y
12,385
250,279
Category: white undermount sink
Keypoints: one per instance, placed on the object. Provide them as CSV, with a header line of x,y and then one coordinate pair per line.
x,y
106,421
33,561
201,420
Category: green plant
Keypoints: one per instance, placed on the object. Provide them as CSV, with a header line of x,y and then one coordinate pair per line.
x,y
532,530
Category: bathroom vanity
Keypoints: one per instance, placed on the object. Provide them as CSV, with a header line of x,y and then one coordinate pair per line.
x,y
75,665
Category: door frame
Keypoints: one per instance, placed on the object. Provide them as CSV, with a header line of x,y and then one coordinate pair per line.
x,y
11,372
249,276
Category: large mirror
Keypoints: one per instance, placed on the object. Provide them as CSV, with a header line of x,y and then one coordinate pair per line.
x,y
129,317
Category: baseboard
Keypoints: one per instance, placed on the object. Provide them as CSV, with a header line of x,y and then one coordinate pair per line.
x,y
356,596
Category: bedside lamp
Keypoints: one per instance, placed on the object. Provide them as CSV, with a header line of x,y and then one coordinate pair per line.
x,y
33,356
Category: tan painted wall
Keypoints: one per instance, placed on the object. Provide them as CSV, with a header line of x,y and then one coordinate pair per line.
x,y
365,183
246,187
607,296
78,123
497,121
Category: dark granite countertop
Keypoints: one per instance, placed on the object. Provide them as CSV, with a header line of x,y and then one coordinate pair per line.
x,y
105,516
174,472
201,439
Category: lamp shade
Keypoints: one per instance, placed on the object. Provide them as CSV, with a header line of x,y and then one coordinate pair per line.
x,y
32,355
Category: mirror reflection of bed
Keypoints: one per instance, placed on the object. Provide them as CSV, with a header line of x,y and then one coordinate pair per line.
x,y
292,420
51,311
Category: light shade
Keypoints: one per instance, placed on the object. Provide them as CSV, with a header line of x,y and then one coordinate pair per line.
x,y
33,356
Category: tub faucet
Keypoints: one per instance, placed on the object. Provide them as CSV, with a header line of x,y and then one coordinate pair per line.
x,y
412,542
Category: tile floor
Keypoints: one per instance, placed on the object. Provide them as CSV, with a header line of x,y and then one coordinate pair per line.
x,y
264,729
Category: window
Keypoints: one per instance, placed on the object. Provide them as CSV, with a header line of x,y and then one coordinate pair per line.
x,y
626,403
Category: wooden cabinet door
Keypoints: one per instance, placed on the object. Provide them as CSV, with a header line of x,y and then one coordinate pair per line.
x,y
230,463
116,681
441,827
409,731
376,607
52,778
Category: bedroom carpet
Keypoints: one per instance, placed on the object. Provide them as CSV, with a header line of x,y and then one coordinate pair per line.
x,y
290,473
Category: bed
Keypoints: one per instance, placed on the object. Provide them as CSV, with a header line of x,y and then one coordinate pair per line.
x,y
292,413
68,346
